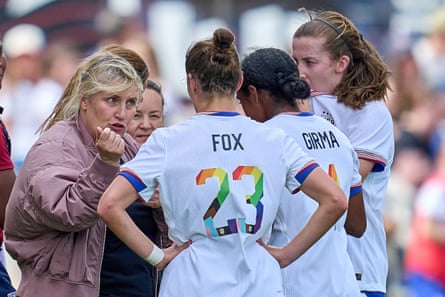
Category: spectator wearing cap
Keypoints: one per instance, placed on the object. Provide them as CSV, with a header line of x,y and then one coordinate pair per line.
x,y
24,45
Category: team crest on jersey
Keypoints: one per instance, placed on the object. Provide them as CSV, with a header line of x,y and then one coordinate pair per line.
x,y
327,116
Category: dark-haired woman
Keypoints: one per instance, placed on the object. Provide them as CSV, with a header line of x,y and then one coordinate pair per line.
x,y
272,92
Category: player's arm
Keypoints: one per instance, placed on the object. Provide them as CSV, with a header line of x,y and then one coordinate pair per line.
x,y
355,223
365,168
112,209
332,204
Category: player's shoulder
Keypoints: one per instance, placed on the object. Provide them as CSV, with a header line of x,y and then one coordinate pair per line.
x,y
376,106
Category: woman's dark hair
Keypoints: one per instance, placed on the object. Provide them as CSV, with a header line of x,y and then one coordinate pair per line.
x,y
152,85
215,63
274,70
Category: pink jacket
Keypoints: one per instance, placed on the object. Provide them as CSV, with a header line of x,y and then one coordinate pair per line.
x,y
52,228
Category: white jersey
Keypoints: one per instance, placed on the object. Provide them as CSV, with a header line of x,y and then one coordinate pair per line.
x,y
325,269
220,177
370,130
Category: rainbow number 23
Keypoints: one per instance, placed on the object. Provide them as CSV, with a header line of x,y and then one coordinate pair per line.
x,y
234,225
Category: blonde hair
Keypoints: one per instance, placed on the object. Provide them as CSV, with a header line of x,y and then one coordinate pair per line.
x,y
103,71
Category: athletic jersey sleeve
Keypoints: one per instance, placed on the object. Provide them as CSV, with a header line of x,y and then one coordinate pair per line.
x,y
356,184
370,131
300,164
144,170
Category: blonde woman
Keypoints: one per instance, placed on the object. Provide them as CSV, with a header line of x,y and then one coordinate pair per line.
x,y
52,228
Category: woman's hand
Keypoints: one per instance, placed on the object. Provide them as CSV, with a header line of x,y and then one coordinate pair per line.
x,y
154,201
171,252
276,252
110,146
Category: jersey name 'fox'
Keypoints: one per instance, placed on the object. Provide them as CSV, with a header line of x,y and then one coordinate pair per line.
x,y
227,142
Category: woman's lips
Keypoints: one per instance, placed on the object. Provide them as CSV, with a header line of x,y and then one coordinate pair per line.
x,y
142,136
118,128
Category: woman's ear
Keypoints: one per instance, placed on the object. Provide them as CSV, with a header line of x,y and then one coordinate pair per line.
x,y
83,104
240,83
303,105
191,84
253,94
343,63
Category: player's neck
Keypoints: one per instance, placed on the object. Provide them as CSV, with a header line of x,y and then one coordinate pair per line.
x,y
287,110
216,104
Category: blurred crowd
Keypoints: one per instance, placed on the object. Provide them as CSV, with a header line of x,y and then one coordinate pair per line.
x,y
417,103
38,71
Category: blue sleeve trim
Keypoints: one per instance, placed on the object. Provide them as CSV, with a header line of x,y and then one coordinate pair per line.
x,y
134,180
303,174
355,190
378,167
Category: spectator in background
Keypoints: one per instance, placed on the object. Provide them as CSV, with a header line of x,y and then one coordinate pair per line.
x,y
7,178
408,89
425,253
410,167
175,108
24,45
59,61
418,112
140,43
429,51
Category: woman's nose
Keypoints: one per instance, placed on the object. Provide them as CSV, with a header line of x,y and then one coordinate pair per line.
x,y
146,123
121,112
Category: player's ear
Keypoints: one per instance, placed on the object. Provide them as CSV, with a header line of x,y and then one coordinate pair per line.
x,y
192,85
240,83
253,94
342,63
303,105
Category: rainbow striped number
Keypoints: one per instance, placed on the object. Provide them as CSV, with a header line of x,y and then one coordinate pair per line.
x,y
332,172
234,225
